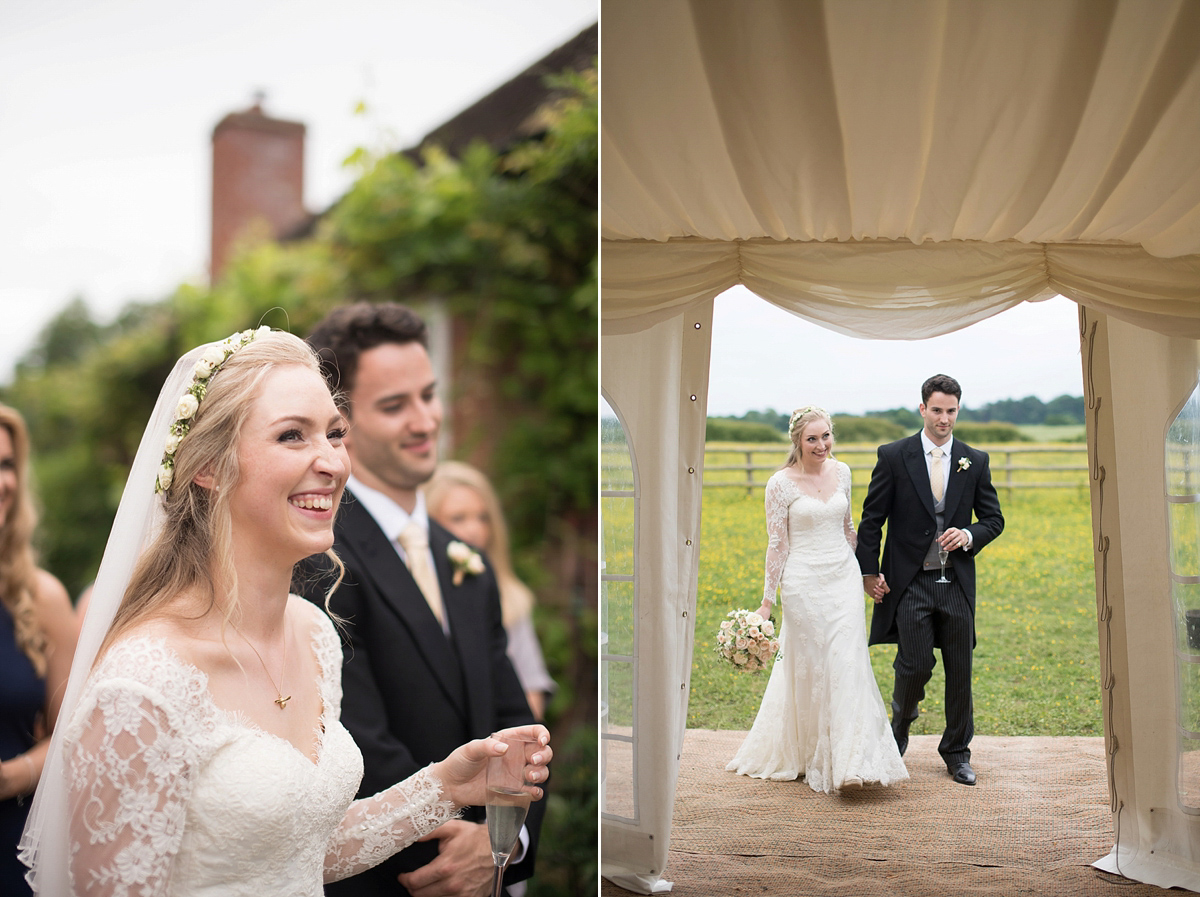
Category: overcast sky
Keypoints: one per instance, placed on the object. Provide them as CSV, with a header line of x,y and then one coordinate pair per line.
x,y
107,109
764,357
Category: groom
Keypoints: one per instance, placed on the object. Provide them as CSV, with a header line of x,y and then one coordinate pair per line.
x,y
425,667
922,486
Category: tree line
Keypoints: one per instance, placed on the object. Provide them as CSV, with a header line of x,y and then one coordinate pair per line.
x,y
993,422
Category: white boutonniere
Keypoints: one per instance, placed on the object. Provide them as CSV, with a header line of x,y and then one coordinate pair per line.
x,y
964,463
465,560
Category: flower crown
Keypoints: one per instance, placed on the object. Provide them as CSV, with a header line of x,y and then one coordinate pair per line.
x,y
801,412
189,403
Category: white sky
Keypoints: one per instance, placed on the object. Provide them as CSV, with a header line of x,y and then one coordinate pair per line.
x,y
107,109
764,357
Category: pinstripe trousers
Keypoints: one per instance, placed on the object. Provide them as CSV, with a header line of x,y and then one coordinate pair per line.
x,y
930,611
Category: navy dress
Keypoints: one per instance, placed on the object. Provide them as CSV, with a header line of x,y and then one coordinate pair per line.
x,y
22,696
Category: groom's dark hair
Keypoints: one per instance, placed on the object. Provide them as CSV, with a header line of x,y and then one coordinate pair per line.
x,y
940,383
346,332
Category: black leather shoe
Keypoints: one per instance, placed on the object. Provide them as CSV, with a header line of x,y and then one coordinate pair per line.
x,y
962,773
901,736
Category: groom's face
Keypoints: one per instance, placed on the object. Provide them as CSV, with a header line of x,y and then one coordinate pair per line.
x,y
939,414
395,418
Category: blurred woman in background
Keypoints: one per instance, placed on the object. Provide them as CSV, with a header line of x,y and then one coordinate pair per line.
x,y
37,642
461,499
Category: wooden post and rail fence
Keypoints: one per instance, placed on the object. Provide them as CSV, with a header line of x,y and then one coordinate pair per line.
x,y
1010,464
747,466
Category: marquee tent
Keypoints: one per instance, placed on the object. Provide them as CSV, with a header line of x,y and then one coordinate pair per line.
x,y
902,169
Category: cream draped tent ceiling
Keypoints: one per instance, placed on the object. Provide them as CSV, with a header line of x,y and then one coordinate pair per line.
x,y
965,155
895,169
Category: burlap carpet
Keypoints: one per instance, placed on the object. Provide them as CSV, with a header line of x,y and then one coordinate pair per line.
x,y
1031,826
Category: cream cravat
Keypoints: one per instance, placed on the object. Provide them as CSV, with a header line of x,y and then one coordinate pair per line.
x,y
936,478
416,546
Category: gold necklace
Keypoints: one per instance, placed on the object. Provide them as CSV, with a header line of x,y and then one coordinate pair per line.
x,y
280,699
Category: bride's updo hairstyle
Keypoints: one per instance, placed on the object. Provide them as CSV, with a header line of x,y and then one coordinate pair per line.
x,y
194,547
800,419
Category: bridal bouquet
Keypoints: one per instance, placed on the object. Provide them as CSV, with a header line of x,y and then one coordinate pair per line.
x,y
747,640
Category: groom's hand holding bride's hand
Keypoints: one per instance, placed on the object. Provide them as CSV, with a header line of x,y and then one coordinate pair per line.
x,y
464,772
875,586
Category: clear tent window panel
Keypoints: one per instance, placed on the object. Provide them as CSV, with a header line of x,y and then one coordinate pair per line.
x,y
618,591
1183,518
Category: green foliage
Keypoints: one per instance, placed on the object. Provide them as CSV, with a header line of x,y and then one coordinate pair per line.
x,y
567,856
719,429
509,242
848,428
905,418
1036,668
1029,410
980,434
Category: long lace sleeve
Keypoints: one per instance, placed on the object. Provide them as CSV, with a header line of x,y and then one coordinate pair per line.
x,y
844,477
376,827
776,501
131,773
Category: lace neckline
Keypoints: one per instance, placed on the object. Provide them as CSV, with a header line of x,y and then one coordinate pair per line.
x,y
800,490
239,720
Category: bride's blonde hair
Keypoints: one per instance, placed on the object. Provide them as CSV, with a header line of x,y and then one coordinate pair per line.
x,y
800,419
194,548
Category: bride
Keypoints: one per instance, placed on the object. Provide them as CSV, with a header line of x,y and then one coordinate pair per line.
x,y
821,716
199,748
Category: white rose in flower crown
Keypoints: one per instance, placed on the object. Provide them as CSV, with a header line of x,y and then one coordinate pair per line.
x,y
173,441
212,357
187,406
165,475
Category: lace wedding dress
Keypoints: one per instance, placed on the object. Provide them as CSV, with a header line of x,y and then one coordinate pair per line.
x,y
821,715
170,795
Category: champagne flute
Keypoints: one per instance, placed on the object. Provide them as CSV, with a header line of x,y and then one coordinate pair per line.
x,y
943,556
508,800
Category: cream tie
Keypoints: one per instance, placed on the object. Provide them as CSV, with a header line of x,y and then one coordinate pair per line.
x,y
936,478
416,547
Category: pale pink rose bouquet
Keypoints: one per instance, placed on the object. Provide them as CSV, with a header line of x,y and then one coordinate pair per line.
x,y
747,640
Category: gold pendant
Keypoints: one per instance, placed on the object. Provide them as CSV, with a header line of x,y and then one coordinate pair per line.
x,y
281,701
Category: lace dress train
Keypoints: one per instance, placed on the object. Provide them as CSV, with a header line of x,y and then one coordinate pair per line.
x,y
821,716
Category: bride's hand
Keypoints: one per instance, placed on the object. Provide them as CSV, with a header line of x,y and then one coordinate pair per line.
x,y
464,772
764,610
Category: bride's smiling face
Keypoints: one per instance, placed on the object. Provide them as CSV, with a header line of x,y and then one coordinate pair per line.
x,y
816,441
293,468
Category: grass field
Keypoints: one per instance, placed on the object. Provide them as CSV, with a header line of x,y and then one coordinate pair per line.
x,y
1037,662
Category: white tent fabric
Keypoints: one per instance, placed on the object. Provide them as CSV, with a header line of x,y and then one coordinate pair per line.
x,y
1040,121
938,287
893,169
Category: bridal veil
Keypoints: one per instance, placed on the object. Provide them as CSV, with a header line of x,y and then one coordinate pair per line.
x,y
44,844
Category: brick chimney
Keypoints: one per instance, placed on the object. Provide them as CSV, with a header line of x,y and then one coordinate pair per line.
x,y
258,180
